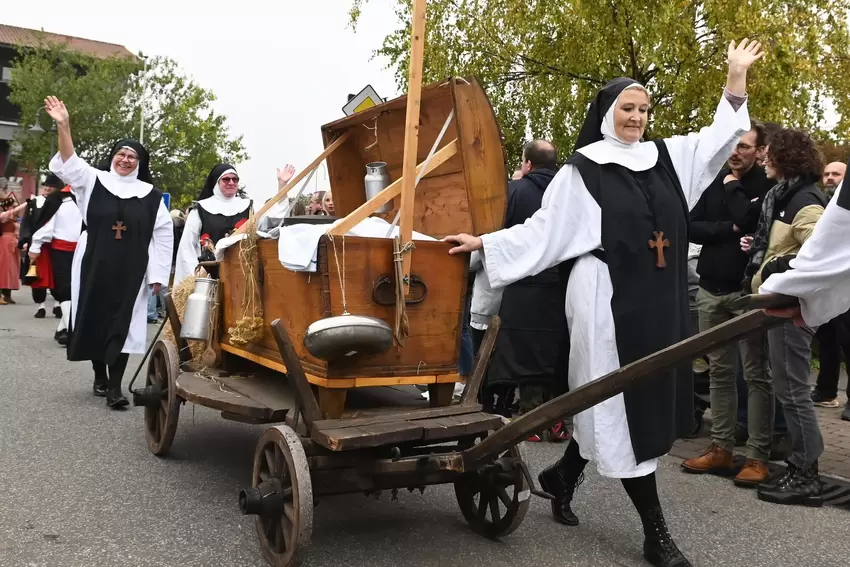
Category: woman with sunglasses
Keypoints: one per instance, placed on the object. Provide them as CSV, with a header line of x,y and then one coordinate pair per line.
x,y
126,248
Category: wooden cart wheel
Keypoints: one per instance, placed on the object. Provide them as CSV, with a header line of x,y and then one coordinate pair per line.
x,y
495,502
284,537
161,420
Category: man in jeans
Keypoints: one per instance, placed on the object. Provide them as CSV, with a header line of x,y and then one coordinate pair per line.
x,y
727,210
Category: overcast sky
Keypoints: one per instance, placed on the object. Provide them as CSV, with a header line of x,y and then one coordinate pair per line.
x,y
280,69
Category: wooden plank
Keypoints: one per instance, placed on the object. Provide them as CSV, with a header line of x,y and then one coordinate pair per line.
x,y
440,395
367,436
392,190
608,386
452,427
209,393
390,417
482,359
277,418
173,318
411,132
269,391
307,403
295,180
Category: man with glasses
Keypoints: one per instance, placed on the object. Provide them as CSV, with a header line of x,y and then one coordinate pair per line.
x,y
727,210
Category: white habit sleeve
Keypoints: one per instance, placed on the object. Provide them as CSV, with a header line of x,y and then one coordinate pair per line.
x,y
567,225
43,235
821,274
189,249
79,175
698,157
160,248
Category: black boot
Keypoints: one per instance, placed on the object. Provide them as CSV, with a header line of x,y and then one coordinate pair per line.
x,y
797,486
114,398
99,388
561,480
658,545
62,337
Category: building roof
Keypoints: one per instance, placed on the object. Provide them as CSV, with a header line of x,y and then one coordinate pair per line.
x,y
23,37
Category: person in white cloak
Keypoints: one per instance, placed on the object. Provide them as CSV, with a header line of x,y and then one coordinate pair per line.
x,y
126,247
618,211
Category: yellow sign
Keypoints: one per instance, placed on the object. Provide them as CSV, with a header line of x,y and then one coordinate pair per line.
x,y
367,98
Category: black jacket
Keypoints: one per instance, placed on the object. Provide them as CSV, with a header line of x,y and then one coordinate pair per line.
x,y
721,208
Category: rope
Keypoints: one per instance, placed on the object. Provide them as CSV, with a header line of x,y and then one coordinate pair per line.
x,y
340,274
402,324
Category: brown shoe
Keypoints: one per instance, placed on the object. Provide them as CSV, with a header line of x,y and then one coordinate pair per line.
x,y
754,473
3,300
715,460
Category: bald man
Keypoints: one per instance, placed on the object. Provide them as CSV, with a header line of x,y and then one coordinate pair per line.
x,y
833,175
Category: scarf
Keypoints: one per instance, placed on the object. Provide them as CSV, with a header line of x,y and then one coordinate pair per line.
x,y
761,239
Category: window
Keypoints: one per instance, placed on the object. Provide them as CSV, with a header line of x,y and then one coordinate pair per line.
x,y
6,75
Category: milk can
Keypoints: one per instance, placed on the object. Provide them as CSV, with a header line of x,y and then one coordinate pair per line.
x,y
196,317
377,179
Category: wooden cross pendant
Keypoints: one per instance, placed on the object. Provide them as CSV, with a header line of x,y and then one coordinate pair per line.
x,y
118,228
659,244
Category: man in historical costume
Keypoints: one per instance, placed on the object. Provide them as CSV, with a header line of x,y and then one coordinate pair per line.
x,y
219,209
821,271
58,230
126,247
534,328
728,209
31,223
619,209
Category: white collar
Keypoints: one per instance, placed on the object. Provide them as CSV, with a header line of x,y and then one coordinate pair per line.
x,y
637,156
124,186
218,204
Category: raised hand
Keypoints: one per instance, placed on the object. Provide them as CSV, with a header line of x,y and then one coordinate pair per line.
x,y
284,175
56,109
741,56
466,242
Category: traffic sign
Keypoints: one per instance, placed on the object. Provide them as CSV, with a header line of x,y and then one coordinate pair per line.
x,y
166,198
367,98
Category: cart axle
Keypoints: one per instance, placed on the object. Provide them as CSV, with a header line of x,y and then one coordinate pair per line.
x,y
266,499
149,396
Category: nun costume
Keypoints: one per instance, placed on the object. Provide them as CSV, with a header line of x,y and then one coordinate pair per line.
x,y
126,247
617,214
215,215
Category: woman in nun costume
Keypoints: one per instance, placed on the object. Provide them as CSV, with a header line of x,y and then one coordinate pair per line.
x,y
218,211
618,210
126,247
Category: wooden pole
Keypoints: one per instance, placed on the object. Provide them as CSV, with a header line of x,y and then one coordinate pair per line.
x,y
294,181
411,133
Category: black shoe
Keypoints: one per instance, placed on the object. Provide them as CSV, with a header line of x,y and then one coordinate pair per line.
x,y
62,337
658,547
796,487
99,390
40,313
57,312
845,415
552,481
115,399
779,447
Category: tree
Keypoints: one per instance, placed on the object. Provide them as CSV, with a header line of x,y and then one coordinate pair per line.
x,y
542,63
182,133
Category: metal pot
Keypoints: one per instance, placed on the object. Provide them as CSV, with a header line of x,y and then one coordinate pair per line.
x,y
377,179
344,336
196,317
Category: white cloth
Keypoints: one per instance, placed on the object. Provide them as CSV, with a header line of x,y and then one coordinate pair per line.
x,y
298,244
569,225
486,301
65,224
821,274
636,156
81,177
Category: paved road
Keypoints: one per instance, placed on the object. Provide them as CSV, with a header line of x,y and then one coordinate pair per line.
x,y
79,489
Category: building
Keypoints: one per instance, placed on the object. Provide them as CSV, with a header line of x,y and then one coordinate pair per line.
x,y
12,38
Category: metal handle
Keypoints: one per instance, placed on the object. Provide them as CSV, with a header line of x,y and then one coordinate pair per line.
x,y
384,291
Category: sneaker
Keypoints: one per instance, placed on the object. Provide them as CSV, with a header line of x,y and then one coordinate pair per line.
x,y
536,438
40,313
715,460
559,433
823,401
845,415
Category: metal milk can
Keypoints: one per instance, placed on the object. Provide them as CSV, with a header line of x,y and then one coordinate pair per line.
x,y
196,317
377,179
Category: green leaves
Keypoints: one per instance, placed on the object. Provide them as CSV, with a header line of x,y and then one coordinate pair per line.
x,y
541,63
106,97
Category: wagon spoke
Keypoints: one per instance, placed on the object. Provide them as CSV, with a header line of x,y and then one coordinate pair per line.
x,y
161,372
161,419
289,511
277,535
264,475
270,462
286,530
506,500
482,508
495,516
